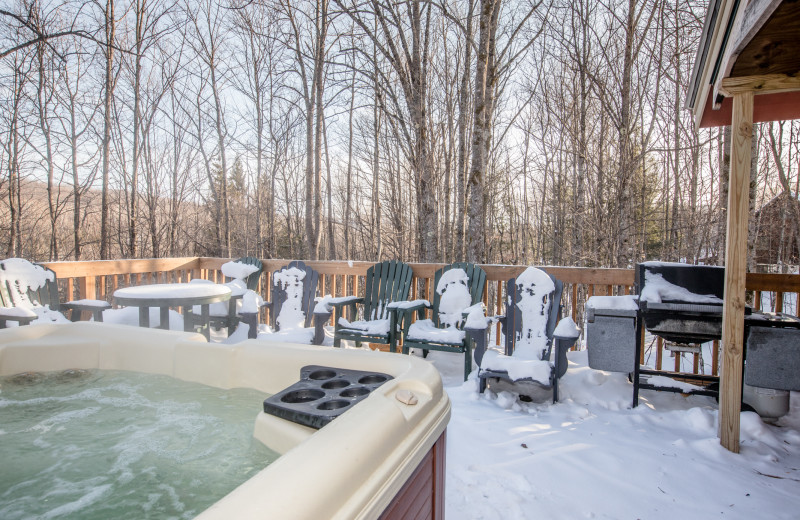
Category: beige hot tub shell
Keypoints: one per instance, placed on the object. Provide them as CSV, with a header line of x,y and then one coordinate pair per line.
x,y
350,469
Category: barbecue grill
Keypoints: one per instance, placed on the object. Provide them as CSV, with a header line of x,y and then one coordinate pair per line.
x,y
682,304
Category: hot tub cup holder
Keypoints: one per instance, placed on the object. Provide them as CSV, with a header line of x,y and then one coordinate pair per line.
x,y
322,394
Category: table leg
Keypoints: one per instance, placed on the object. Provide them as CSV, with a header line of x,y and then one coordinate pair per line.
x,y
187,318
144,316
205,328
164,318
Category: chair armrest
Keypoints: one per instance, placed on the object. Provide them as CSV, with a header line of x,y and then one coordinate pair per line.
x,y
344,300
20,315
96,307
405,309
86,305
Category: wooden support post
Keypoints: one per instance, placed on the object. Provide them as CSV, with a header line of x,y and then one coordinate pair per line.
x,y
730,399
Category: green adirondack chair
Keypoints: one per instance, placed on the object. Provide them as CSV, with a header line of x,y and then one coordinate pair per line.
x,y
386,282
445,330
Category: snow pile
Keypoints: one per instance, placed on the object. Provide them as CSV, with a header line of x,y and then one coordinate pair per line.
x,y
619,303
534,289
130,316
238,270
517,369
656,290
402,305
476,317
454,297
376,327
567,328
592,456
454,300
425,330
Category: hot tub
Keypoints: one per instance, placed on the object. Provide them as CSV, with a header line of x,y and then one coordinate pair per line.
x,y
384,458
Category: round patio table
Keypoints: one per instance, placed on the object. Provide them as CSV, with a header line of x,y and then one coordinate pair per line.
x,y
166,295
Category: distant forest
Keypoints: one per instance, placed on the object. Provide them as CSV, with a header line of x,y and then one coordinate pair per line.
x,y
498,131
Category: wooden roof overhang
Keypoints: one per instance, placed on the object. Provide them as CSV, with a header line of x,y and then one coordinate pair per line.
x,y
747,70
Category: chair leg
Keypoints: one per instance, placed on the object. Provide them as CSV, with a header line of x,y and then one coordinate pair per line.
x,y
425,353
481,384
467,362
358,344
337,342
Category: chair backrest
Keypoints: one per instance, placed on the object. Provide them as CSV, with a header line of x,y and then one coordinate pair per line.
x,y
252,279
476,279
25,284
385,282
515,321
280,292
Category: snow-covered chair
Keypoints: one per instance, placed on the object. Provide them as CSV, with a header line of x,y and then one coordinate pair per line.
x,y
532,326
293,292
385,283
29,294
459,286
241,277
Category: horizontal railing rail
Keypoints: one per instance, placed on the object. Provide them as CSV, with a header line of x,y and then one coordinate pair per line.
x,y
99,279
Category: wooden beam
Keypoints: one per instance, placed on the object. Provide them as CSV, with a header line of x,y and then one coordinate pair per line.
x,y
735,272
765,84
779,106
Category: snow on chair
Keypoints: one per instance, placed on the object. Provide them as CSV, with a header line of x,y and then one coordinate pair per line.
x,y
459,286
385,283
294,288
533,310
29,294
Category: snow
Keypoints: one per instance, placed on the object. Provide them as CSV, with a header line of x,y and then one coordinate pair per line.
x,y
566,328
618,303
238,270
591,456
172,290
402,305
476,318
301,335
291,315
368,327
534,287
454,297
535,369
656,290
426,331
130,316
19,312
20,276
91,303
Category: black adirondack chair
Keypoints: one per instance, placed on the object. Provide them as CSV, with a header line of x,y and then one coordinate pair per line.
x,y
476,279
11,295
386,282
279,295
512,325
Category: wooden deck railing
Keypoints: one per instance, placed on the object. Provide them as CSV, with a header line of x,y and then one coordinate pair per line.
x,y
99,279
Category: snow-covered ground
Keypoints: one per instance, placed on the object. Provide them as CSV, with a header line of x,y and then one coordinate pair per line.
x,y
592,456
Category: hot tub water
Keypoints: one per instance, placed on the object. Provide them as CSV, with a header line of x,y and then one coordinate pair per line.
x,y
111,444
